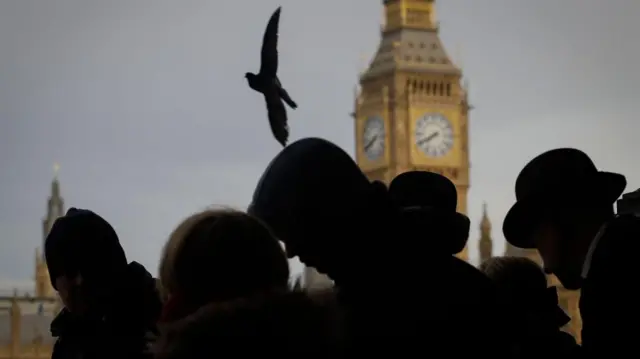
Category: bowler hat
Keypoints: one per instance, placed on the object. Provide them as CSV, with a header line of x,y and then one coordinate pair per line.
x,y
563,175
436,198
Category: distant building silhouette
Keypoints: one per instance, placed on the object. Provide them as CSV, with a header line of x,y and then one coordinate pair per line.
x,y
485,244
25,318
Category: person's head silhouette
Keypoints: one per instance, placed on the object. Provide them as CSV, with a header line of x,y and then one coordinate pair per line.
x,y
320,204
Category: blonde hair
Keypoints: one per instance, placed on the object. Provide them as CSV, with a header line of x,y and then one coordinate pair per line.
x,y
221,254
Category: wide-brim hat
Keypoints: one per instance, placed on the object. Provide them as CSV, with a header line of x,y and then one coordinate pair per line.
x,y
556,178
436,198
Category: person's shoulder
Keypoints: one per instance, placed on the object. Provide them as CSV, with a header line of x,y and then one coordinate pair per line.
x,y
60,323
615,253
467,273
621,236
59,351
467,281
138,299
624,224
138,281
309,319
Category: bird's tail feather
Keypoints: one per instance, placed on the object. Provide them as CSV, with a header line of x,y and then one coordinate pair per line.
x,y
280,132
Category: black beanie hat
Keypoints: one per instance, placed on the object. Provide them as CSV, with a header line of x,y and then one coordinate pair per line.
x,y
311,174
309,192
82,242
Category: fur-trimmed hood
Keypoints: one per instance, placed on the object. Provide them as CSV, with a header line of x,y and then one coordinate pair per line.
x,y
290,324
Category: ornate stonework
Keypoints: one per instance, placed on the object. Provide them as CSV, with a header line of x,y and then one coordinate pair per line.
x,y
411,110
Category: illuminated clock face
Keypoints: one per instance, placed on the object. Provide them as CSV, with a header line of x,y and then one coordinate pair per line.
x,y
373,138
434,135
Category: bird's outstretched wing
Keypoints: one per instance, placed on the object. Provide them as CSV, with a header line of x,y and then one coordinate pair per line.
x,y
285,95
277,117
269,54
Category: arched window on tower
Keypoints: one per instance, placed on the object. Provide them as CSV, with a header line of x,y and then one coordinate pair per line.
x,y
448,89
441,89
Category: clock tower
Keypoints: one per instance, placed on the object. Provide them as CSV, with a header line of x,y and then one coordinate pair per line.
x,y
411,110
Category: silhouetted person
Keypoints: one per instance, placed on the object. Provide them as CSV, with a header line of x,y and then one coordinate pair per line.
x,y
226,279
288,325
564,209
110,306
319,203
470,306
216,256
535,305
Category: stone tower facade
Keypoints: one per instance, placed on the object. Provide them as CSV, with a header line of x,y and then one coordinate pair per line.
x,y
411,109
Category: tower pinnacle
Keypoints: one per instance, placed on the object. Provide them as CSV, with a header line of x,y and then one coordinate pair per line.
x,y
55,209
485,223
55,204
410,14
410,42
486,243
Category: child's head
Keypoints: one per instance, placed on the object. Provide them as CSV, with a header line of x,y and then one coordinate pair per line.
x,y
520,276
219,255
524,283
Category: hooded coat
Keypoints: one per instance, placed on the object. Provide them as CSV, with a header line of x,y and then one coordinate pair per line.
x,y
124,331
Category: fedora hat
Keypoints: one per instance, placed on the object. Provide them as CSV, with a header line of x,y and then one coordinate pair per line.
x,y
563,175
434,196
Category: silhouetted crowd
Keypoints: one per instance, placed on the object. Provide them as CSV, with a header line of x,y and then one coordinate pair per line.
x,y
224,283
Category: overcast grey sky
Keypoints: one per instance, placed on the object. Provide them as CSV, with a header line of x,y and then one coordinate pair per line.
x,y
144,104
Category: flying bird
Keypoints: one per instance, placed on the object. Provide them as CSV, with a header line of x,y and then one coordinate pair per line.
x,y
267,82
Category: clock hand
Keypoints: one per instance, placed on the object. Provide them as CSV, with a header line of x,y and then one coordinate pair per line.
x,y
370,143
429,138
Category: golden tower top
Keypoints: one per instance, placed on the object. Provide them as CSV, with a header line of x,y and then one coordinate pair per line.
x,y
410,41
415,14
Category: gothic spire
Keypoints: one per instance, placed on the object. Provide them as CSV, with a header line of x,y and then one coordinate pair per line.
x,y
485,223
55,203
486,243
55,209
